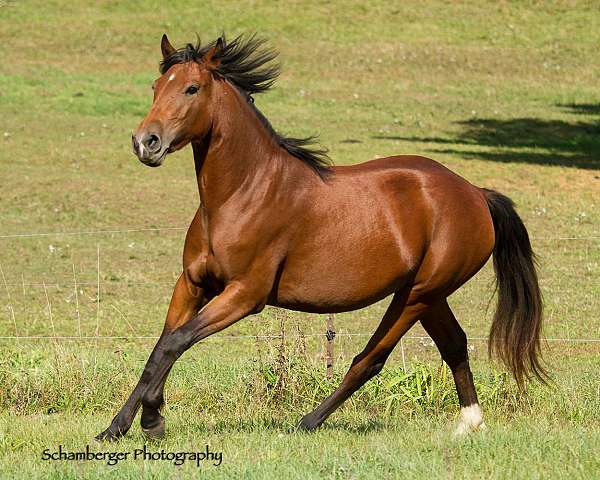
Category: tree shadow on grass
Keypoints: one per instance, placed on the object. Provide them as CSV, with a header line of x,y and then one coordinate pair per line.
x,y
581,108
527,140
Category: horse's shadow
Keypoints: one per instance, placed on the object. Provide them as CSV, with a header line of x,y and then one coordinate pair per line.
x,y
273,425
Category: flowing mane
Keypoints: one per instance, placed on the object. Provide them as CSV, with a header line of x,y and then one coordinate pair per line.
x,y
248,66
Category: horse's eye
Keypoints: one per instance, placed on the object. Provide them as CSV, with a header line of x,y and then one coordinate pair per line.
x,y
191,90
153,85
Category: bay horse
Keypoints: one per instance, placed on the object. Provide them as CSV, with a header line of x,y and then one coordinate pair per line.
x,y
278,225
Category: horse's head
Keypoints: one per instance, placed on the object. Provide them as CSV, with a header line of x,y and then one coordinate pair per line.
x,y
182,107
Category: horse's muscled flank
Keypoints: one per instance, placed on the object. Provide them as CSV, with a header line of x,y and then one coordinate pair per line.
x,y
277,225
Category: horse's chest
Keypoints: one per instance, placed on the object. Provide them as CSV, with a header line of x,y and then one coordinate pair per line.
x,y
228,257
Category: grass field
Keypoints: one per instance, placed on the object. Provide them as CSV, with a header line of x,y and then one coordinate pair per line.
x,y
504,93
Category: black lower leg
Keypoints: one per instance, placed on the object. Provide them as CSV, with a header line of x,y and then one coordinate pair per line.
x,y
152,421
152,398
451,341
121,423
357,376
396,321
465,387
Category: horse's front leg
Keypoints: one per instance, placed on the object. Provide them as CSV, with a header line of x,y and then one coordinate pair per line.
x,y
186,300
234,303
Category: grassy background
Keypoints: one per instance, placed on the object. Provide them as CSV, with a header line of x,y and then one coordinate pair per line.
x,y
504,93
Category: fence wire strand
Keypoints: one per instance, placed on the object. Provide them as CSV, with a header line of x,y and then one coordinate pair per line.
x,y
119,230
93,232
264,337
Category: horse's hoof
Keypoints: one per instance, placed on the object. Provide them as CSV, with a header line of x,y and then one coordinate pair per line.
x,y
464,430
108,436
307,424
156,432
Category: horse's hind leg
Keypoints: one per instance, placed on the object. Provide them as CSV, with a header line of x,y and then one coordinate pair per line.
x,y
397,320
441,325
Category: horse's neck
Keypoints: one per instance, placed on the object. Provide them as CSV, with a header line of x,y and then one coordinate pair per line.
x,y
239,156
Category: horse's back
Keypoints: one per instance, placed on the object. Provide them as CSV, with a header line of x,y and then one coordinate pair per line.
x,y
406,168
414,184
421,178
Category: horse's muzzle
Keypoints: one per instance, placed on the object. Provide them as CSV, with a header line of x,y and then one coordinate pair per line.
x,y
148,147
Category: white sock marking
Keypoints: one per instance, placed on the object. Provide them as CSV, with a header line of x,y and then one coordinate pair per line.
x,y
470,420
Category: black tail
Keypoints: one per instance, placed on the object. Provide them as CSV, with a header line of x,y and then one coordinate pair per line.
x,y
517,324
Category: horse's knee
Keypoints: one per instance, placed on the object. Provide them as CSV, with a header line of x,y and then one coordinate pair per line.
x,y
176,343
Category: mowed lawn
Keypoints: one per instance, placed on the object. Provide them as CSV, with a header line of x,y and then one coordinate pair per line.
x,y
505,94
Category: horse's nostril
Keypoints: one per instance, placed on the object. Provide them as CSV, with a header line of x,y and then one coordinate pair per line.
x,y
153,142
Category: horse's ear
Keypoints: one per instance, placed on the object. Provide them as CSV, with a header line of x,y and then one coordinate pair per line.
x,y
166,48
213,57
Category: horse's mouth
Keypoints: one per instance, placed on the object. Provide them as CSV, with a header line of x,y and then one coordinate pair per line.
x,y
156,161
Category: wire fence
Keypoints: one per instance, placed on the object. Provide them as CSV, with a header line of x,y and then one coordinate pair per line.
x,y
264,337
94,232
329,334
135,229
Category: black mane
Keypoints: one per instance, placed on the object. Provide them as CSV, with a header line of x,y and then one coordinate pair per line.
x,y
247,65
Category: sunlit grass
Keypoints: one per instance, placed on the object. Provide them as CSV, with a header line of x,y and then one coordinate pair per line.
x,y
504,94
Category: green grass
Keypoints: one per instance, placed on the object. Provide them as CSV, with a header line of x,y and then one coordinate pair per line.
x,y
399,424
504,94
